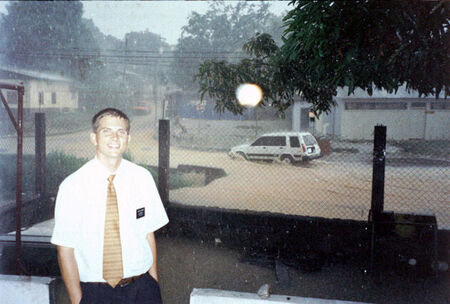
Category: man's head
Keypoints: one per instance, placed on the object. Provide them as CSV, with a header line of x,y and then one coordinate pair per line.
x,y
110,134
109,112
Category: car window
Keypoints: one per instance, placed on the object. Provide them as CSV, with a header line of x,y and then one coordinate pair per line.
x,y
262,141
295,143
270,141
277,141
309,140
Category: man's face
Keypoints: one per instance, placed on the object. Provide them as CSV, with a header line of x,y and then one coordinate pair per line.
x,y
111,138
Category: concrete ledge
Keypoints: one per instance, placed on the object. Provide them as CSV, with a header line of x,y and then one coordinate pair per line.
x,y
216,296
24,289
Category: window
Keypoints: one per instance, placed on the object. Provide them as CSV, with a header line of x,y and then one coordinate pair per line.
x,y
53,97
295,143
351,105
418,105
440,105
277,141
270,141
41,98
309,140
260,142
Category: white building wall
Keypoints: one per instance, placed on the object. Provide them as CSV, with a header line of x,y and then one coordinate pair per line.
x,y
296,110
411,122
357,124
66,97
438,124
402,124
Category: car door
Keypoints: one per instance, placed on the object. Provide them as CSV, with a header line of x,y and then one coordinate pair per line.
x,y
258,149
294,147
311,144
276,147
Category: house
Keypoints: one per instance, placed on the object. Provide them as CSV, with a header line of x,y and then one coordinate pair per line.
x,y
406,116
43,91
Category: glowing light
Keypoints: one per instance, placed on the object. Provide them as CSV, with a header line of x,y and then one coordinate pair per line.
x,y
249,94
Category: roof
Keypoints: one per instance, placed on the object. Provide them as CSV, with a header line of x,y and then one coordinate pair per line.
x,y
36,74
286,133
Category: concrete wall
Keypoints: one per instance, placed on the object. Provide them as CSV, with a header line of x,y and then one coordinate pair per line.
x,y
24,290
299,121
34,211
215,296
289,237
411,122
402,124
437,124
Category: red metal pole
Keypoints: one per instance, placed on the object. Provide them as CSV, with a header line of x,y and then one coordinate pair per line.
x,y
19,181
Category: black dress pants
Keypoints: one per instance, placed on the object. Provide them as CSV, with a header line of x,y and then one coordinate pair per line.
x,y
145,290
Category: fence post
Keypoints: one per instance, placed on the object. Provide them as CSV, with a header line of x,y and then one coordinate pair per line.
x,y
39,141
377,203
379,158
163,160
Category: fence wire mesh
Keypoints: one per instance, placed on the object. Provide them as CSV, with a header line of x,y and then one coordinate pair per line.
x,y
337,185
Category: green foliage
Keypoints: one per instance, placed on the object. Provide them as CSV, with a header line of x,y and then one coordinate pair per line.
x,y
40,35
220,34
8,177
220,79
59,165
175,180
368,44
363,44
436,148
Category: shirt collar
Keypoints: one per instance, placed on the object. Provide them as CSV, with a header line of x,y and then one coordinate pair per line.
x,y
103,172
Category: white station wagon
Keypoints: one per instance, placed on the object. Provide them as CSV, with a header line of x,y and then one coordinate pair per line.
x,y
289,147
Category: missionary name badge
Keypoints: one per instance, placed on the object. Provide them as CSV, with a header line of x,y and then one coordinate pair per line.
x,y
140,212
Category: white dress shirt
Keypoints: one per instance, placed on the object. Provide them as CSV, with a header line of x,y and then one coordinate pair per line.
x,y
80,217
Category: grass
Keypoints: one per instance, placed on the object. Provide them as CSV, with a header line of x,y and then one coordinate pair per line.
x,y
437,148
175,180
59,165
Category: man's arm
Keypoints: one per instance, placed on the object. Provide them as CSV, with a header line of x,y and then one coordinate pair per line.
x,y
152,242
69,272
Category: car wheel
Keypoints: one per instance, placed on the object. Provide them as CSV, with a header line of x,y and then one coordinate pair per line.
x,y
287,159
242,154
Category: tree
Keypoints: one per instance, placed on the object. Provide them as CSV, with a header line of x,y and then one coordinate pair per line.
x,y
363,44
220,34
220,79
45,35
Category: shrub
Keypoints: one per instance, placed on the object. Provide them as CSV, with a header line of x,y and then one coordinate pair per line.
x,y
59,165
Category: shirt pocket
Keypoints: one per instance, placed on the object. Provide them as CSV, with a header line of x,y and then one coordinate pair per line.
x,y
139,216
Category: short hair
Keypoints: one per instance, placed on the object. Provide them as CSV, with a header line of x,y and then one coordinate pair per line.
x,y
109,112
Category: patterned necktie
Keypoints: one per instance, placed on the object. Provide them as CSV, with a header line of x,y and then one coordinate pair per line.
x,y
112,249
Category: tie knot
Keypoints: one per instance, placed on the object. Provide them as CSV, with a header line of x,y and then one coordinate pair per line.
x,y
111,178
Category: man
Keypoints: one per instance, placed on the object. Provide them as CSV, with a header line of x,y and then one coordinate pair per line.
x,y
105,217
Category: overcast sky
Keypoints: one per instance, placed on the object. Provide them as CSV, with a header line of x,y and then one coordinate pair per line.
x,y
165,18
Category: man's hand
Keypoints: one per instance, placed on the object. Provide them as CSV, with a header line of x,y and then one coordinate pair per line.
x,y
69,271
154,269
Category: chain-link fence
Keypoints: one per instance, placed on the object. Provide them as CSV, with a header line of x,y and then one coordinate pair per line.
x,y
336,185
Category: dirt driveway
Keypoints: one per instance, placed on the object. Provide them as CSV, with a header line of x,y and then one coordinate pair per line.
x,y
332,187
329,188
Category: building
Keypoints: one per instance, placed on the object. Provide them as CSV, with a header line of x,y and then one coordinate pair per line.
x,y
354,117
43,91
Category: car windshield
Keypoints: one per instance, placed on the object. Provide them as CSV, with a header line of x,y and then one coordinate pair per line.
x,y
309,140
